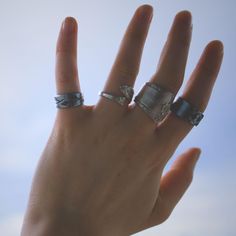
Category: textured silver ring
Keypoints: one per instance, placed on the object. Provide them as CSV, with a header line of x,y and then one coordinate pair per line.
x,y
68,100
155,101
186,111
126,90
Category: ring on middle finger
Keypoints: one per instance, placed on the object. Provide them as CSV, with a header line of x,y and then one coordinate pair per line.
x,y
126,90
155,101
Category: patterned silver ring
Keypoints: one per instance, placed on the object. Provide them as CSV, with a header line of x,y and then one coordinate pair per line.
x,y
155,101
126,90
186,111
68,100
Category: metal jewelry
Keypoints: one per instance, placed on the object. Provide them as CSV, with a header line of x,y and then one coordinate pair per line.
x,y
126,90
184,110
155,101
68,100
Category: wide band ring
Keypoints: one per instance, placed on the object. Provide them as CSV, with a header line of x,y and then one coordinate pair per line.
x,y
155,101
68,100
126,90
186,111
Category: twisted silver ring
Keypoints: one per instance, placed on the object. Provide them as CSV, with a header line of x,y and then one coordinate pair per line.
x,y
68,100
126,90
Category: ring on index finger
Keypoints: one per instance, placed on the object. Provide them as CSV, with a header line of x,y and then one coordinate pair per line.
x,y
68,100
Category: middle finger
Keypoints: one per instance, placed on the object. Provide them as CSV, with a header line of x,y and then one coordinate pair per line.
x,y
127,62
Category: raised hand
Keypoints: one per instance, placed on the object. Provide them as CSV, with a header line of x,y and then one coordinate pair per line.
x,y
101,170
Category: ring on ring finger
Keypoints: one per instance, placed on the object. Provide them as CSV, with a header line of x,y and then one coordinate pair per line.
x,y
155,101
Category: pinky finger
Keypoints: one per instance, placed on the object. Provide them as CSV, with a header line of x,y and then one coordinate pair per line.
x,y
197,92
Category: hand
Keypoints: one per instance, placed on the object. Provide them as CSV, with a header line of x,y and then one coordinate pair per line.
x,y
101,170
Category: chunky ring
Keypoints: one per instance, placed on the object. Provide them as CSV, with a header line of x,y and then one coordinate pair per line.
x,y
68,100
183,109
126,90
155,101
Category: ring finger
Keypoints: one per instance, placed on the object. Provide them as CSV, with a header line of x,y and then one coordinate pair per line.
x,y
171,67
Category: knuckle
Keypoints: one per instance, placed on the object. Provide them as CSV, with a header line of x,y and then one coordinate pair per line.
x,y
136,33
127,72
181,41
184,42
165,211
208,70
163,216
171,77
66,74
62,52
188,176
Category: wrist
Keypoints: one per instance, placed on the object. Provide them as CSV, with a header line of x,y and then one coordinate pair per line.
x,y
63,226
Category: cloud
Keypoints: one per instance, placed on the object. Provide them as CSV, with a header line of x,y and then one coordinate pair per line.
x,y
11,226
206,209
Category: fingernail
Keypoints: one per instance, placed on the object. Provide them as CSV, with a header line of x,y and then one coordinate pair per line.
x,y
146,13
215,48
196,158
221,46
184,18
68,25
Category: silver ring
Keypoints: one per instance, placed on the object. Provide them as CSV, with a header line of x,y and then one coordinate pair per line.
x,y
186,111
155,101
68,100
126,90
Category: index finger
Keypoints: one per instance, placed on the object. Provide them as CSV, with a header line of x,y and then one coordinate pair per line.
x,y
66,58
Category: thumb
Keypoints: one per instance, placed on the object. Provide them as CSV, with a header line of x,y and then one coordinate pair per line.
x,y
173,185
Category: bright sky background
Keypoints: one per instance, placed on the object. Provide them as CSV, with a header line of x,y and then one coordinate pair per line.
x,y
29,31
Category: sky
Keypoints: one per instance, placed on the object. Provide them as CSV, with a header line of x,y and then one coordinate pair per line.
x,y
29,31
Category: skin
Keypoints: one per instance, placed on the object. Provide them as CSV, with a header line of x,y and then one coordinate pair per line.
x,y
101,170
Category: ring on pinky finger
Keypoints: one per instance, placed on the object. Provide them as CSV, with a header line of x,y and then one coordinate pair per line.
x,y
186,111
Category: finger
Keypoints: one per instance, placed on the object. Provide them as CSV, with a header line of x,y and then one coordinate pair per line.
x,y
66,58
197,92
67,79
172,63
127,62
173,186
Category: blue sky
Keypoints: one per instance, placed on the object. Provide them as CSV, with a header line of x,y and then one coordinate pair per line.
x,y
29,31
